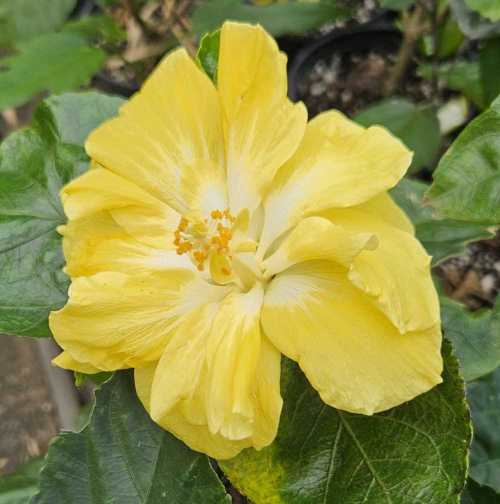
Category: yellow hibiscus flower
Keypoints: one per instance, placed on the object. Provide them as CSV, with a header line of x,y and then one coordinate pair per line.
x,y
217,230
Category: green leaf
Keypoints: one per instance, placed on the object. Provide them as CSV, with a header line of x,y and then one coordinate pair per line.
x,y
34,164
208,53
32,170
53,62
477,494
487,8
475,337
442,238
18,488
467,180
472,23
417,126
21,20
277,19
75,115
123,457
450,38
99,28
489,60
96,378
484,400
414,453
396,4
461,76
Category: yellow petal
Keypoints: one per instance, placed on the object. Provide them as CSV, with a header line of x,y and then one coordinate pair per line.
x,y
338,164
383,207
97,244
99,189
197,437
396,275
262,127
65,361
101,205
216,386
351,353
82,236
115,321
317,238
167,132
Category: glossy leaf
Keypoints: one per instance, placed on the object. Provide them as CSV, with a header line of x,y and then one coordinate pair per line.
x,y
53,62
484,400
21,20
208,53
34,164
414,453
472,23
277,18
467,180
122,456
489,9
18,488
489,60
417,126
442,238
461,76
475,337
475,493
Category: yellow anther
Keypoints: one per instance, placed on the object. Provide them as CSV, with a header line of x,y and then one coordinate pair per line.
x,y
203,238
199,256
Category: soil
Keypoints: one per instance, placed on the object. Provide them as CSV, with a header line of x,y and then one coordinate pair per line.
x,y
28,413
474,278
351,81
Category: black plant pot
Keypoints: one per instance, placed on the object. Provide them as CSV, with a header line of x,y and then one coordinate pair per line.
x,y
379,36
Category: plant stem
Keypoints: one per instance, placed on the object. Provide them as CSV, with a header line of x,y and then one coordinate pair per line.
x,y
178,26
135,16
435,48
414,26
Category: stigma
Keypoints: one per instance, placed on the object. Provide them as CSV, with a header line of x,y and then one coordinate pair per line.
x,y
207,240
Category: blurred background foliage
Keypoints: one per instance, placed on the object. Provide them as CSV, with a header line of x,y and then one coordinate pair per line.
x,y
428,70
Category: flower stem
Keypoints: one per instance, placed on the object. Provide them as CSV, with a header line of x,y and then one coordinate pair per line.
x,y
414,26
